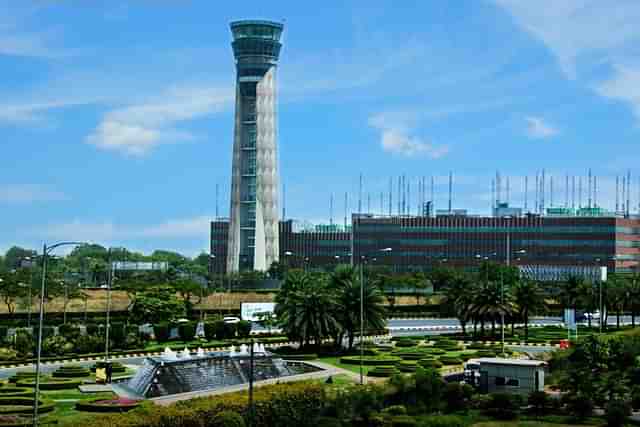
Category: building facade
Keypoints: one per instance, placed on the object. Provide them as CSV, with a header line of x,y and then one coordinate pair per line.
x,y
253,227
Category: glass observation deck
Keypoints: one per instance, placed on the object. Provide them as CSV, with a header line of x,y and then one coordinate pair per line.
x,y
256,39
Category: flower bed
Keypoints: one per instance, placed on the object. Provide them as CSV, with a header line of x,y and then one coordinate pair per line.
x,y
371,360
15,421
110,405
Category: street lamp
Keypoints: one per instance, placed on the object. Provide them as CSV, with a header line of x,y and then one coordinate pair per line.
x,y
46,250
362,261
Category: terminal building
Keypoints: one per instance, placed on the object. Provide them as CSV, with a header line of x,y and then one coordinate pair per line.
x,y
542,247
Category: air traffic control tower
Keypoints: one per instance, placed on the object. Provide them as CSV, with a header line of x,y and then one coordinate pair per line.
x,y
253,227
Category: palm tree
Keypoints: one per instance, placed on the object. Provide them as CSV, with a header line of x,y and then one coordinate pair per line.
x,y
306,308
490,302
569,292
459,298
345,284
632,286
529,299
616,295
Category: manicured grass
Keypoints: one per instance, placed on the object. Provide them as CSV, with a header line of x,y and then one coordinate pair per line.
x,y
335,361
524,424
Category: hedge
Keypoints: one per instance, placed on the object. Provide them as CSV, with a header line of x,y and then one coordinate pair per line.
x,y
300,356
448,360
403,421
406,343
408,366
50,384
19,376
370,360
430,363
15,391
16,421
410,355
434,351
278,405
116,367
162,332
486,353
23,405
95,405
382,371
71,372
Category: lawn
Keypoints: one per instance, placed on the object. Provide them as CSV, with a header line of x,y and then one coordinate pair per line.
x,y
524,424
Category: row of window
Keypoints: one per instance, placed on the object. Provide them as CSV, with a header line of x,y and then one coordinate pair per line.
x,y
394,228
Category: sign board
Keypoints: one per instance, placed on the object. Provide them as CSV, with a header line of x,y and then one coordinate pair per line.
x,y
570,318
140,266
250,310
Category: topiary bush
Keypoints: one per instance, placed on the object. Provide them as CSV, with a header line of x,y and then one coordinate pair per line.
x,y
7,354
371,360
69,331
434,351
71,371
116,367
450,360
443,421
23,405
383,371
616,412
408,366
406,343
243,329
15,392
50,383
117,334
186,331
108,405
22,375
226,419
485,353
162,331
502,406
395,410
430,363
403,421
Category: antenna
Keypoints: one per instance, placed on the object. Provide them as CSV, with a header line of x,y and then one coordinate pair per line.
x,y
284,201
508,190
573,192
537,205
542,189
551,190
498,188
526,191
408,212
331,209
346,208
493,196
566,190
450,189
589,191
595,191
433,200
580,192
360,196
628,192
382,203
217,202
369,203
617,193
390,196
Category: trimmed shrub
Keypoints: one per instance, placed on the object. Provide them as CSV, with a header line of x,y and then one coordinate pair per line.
x,y
310,356
371,360
467,356
23,405
69,331
457,396
50,384
186,331
117,334
327,422
408,366
443,421
162,331
485,353
22,375
7,354
383,371
3,332
449,360
47,331
226,419
56,346
24,343
94,329
410,355
476,346
434,351
243,329
403,421
108,405
406,343
539,402
219,330
502,406
580,406
430,363
71,371
395,410
15,392
89,344
117,367
617,412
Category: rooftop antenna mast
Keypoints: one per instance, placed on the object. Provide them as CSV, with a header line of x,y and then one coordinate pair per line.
x,y
346,208
566,190
498,188
493,196
433,200
508,192
331,209
573,192
590,183
360,196
390,196
629,192
617,193
408,211
542,189
369,203
284,201
580,192
595,191
526,191
537,204
450,189
551,191
217,201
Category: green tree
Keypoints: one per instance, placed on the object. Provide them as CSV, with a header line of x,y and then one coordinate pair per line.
x,y
11,289
306,307
492,301
187,290
157,305
529,299
616,295
632,286
14,256
459,299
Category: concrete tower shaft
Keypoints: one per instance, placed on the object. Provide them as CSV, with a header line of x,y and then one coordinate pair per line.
x,y
253,229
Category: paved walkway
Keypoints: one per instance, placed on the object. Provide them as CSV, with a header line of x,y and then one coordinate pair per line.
x,y
327,371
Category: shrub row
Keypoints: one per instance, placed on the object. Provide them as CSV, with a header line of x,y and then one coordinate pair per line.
x,y
71,372
51,384
23,405
370,360
383,371
100,405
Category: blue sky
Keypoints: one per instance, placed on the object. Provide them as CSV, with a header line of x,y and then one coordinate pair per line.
x,y
116,117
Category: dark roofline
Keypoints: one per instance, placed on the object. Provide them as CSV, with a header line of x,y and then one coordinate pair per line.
x,y
243,23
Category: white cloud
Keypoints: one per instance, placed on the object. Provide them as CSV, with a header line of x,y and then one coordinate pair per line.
x,y
623,86
137,129
538,128
30,113
593,41
107,231
28,193
396,141
395,137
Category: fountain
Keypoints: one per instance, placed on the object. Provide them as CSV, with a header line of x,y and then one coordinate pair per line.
x,y
173,373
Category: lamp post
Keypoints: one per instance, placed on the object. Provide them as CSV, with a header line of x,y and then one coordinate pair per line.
x,y
362,262
46,250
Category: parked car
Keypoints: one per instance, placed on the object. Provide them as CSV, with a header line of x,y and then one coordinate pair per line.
x,y
231,319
